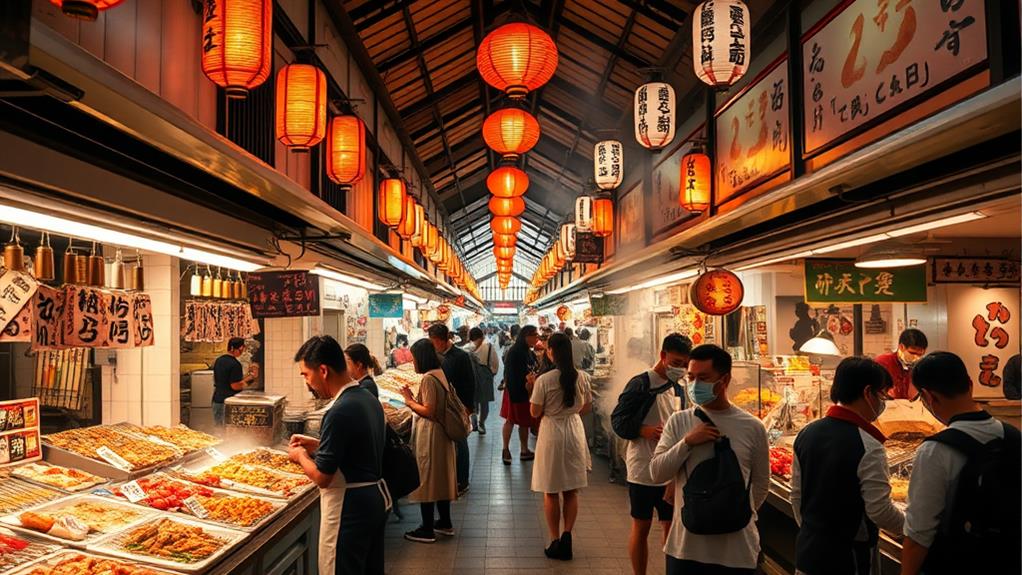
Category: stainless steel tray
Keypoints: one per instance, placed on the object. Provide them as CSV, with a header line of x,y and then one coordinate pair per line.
x,y
197,468
51,506
83,489
53,559
37,548
67,458
111,546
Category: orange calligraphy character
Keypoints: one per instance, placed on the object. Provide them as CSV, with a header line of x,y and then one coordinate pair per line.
x,y
906,32
853,71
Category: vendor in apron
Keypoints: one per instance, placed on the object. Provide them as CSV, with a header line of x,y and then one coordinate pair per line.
x,y
346,462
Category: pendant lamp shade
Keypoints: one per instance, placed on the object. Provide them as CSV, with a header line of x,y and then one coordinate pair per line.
x,y
505,225
517,58
84,9
507,182
721,31
584,213
603,217
511,132
608,164
420,227
512,207
695,182
391,202
301,106
654,115
346,150
406,229
237,43
504,240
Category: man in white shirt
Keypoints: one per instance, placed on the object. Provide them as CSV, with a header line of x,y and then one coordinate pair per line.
x,y
644,494
686,442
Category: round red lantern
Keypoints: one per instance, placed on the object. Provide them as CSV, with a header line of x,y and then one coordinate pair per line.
x,y
346,150
564,313
512,207
603,217
505,265
237,44
511,132
406,229
694,195
84,9
505,240
391,202
516,58
507,182
504,253
301,106
717,292
505,225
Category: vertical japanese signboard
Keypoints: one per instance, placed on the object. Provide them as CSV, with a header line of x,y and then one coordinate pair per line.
x,y
631,230
291,293
666,211
874,56
752,134
983,329
839,281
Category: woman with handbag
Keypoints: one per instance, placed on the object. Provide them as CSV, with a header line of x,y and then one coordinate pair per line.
x,y
434,449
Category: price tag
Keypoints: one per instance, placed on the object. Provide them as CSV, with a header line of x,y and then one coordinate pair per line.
x,y
216,455
113,459
133,491
162,442
196,508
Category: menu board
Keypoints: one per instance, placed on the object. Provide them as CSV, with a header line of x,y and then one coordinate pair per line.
x,y
839,281
47,311
971,270
289,293
19,431
588,248
386,305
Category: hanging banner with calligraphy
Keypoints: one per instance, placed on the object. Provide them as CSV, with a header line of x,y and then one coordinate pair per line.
x,y
19,329
752,134
588,248
47,318
16,291
872,57
667,211
216,321
983,329
142,309
86,318
839,281
291,293
630,225
950,270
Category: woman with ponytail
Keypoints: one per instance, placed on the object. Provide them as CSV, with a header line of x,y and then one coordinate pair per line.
x,y
560,396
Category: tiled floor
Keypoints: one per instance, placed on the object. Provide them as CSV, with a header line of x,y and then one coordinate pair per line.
x,y
501,530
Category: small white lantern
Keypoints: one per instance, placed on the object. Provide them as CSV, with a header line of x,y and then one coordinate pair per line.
x,y
584,214
608,164
654,115
721,32
568,241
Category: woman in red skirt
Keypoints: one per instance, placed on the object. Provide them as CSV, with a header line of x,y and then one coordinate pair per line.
x,y
519,373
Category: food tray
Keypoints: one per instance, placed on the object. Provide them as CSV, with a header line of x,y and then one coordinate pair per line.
x,y
55,558
58,456
191,473
17,495
277,504
249,457
111,546
110,436
102,480
11,559
143,515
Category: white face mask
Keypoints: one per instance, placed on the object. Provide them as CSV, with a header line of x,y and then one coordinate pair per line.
x,y
877,411
676,374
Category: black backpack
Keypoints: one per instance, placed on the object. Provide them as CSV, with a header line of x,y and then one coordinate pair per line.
x,y
400,470
716,495
980,531
633,405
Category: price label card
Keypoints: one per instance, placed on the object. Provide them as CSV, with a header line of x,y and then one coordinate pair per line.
x,y
162,442
195,507
113,459
133,491
212,452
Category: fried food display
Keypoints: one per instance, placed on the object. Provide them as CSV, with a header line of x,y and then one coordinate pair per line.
x,y
183,437
252,476
899,488
241,511
15,550
165,493
17,495
98,516
83,564
138,452
64,478
268,458
168,539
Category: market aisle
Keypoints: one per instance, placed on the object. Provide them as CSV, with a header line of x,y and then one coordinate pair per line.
x,y
501,530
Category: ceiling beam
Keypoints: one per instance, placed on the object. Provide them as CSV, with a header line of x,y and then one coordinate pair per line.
x,y
482,15
364,16
426,44
424,104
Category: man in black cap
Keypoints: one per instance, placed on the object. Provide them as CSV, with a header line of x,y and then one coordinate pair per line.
x,y
457,366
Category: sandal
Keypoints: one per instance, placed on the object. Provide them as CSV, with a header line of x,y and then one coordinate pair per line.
x,y
527,456
506,457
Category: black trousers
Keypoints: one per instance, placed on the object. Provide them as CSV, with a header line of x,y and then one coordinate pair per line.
x,y
677,566
360,542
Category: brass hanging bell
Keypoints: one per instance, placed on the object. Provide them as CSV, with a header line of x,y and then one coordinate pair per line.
x,y
238,285
70,268
195,284
117,272
45,266
244,287
207,283
97,268
138,274
218,285
227,291
81,269
14,254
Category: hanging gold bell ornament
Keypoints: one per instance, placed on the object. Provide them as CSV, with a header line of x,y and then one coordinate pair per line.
x,y
81,269
207,283
138,274
70,265
117,271
195,285
218,285
97,268
14,254
45,266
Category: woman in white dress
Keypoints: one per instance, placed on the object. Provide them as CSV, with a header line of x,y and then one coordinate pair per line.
x,y
560,396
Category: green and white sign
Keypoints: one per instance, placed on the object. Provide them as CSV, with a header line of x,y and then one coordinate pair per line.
x,y
839,281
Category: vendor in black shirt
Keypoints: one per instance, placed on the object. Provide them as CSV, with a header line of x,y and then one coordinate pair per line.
x,y
361,366
346,463
229,378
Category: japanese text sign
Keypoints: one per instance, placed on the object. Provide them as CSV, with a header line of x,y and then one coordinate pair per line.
x,y
47,316
86,317
19,431
876,55
667,210
216,321
975,270
588,248
752,135
983,329
839,281
631,231
16,290
292,293
387,305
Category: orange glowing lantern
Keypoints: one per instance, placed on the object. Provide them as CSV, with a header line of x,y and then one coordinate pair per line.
x,y
603,217
563,313
694,195
504,253
406,229
346,150
505,266
517,58
717,292
511,207
507,182
84,9
418,237
505,240
301,106
431,241
391,202
511,132
237,43
505,225
438,255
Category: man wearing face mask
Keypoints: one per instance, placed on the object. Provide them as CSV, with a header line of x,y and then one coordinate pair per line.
x,y
644,494
686,442
840,480
911,347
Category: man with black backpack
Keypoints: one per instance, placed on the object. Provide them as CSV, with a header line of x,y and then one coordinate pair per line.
x,y
718,456
963,514
643,408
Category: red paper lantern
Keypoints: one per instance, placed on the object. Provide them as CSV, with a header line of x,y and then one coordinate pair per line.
x,y
512,207
391,202
507,182
505,225
346,150
301,106
505,240
406,229
511,132
717,292
694,195
84,9
603,217
517,58
237,44
504,253
505,266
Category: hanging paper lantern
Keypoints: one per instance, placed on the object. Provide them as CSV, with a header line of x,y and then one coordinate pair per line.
x,y
507,182
430,239
504,253
608,164
564,313
513,207
237,43
505,225
695,182
84,9
603,217
438,254
391,202
567,240
505,240
654,115
406,229
721,31
346,150
504,265
511,132
301,106
584,214
418,237
517,58
717,292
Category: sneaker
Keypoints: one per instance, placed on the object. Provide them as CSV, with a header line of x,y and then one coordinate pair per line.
x,y
447,530
421,535
461,493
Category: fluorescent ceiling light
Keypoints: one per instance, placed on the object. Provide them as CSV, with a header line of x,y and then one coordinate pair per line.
x,y
851,244
397,263
346,279
75,229
949,221
891,256
778,259
683,275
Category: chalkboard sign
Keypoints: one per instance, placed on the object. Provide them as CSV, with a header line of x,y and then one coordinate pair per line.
x,y
249,415
588,249
292,293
